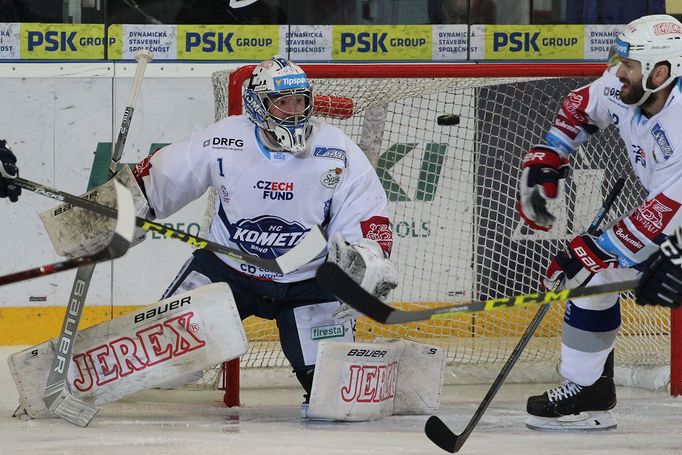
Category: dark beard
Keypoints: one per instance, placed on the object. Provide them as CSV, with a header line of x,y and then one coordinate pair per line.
x,y
636,94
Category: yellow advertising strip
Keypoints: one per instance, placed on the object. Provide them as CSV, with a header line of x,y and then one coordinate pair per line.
x,y
62,41
534,42
33,325
382,42
115,33
228,42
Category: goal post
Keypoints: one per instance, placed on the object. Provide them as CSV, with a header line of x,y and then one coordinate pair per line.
x,y
447,142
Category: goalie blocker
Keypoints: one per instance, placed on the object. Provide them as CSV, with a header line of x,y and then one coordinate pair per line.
x,y
77,232
368,381
138,351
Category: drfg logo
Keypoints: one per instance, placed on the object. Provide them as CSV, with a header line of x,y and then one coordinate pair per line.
x,y
223,142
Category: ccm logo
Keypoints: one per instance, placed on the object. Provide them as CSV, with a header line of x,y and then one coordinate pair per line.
x,y
669,250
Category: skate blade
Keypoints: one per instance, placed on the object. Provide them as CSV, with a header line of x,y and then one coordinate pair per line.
x,y
585,421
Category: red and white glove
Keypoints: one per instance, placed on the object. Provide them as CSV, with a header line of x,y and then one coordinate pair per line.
x,y
542,169
575,266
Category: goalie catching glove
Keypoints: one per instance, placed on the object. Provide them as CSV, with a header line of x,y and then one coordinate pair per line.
x,y
576,265
364,261
542,169
661,283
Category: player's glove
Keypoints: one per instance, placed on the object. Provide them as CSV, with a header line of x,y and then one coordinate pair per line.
x,y
575,266
8,168
364,261
542,169
661,283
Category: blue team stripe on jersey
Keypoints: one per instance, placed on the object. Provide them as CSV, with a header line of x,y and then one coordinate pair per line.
x,y
593,320
555,142
262,148
624,259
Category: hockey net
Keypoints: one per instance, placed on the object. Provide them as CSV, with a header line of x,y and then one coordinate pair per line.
x,y
452,189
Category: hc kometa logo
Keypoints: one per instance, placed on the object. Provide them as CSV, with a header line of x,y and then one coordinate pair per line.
x,y
375,42
219,41
528,41
54,41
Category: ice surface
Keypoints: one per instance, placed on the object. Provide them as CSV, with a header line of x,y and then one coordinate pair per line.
x,y
197,423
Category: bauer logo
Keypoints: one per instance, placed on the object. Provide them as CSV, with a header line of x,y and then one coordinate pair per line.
x,y
327,331
398,42
534,42
63,41
266,236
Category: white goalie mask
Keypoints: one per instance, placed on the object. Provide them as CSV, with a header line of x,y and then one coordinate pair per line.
x,y
278,99
651,40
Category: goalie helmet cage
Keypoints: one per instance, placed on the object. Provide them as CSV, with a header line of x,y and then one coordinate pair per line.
x,y
447,142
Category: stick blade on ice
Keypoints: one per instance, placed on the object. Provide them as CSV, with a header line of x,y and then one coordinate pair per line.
x,y
441,435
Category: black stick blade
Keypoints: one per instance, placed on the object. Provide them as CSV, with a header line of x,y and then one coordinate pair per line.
x,y
441,435
332,278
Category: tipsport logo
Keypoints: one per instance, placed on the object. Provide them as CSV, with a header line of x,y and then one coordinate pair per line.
x,y
290,82
266,236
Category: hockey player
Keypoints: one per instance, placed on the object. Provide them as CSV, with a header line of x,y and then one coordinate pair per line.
x,y
278,172
8,168
641,95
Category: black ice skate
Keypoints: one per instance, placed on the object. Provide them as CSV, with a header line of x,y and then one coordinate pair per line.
x,y
572,407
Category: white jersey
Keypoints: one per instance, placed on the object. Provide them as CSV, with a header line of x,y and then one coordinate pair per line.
x,y
267,201
654,147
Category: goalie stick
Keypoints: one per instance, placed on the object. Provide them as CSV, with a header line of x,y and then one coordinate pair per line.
x,y
57,395
117,247
436,430
312,245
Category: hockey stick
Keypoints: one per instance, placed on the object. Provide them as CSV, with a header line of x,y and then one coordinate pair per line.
x,y
117,247
58,398
312,245
436,430
335,280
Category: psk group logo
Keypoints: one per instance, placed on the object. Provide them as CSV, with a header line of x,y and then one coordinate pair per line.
x,y
62,41
390,42
237,42
266,236
534,42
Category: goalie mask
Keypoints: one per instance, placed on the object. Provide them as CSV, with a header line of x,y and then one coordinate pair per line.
x,y
651,40
278,100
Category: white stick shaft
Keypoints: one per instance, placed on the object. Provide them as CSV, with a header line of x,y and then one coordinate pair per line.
x,y
143,57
